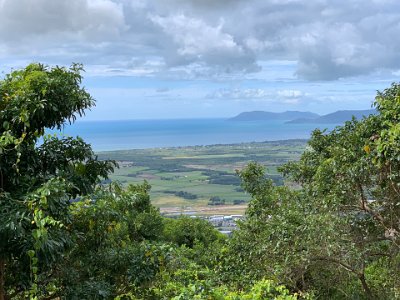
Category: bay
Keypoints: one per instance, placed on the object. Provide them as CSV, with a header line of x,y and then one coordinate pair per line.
x,y
141,134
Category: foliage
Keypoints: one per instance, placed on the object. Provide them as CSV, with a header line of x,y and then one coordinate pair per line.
x,y
264,289
238,201
189,231
338,234
182,194
333,234
38,182
215,200
120,227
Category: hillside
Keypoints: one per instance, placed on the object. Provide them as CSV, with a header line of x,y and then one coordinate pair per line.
x,y
337,117
269,116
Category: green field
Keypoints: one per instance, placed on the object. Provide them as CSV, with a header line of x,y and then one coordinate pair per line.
x,y
190,176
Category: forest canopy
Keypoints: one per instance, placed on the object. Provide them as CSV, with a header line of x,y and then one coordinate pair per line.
x,y
332,233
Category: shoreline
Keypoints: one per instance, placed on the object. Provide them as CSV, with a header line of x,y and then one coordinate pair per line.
x,y
254,143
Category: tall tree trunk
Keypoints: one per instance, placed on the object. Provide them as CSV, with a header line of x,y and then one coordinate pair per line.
x,y
2,279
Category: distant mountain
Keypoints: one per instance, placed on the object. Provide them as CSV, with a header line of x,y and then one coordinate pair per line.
x,y
337,117
270,116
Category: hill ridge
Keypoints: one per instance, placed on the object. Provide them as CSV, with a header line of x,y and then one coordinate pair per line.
x,y
259,115
338,116
303,117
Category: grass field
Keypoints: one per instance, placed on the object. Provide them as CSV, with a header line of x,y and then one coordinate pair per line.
x,y
187,177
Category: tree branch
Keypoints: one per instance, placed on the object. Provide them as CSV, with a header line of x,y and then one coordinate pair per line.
x,y
338,262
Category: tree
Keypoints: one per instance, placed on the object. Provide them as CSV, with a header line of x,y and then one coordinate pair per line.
x,y
39,181
353,171
191,231
215,200
115,232
338,234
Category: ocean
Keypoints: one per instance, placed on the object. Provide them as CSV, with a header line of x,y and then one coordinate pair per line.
x,y
141,134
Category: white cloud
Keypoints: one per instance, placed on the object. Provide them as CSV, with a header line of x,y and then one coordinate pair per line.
x,y
291,93
199,42
194,36
240,94
258,94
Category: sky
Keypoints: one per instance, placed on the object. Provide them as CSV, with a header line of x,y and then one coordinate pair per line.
x,y
163,59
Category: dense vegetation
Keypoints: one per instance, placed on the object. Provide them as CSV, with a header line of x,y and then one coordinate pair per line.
x,y
338,235
66,236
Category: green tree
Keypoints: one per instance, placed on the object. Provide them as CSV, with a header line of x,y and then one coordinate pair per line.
x,y
199,241
116,244
353,172
270,241
38,181
263,289
215,200
338,234
189,231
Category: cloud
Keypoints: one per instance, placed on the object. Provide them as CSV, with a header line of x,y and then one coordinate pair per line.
x,y
331,39
205,38
194,37
197,41
290,93
89,19
240,94
258,94
162,90
327,53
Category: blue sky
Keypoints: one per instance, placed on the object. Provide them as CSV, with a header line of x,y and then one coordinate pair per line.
x,y
148,59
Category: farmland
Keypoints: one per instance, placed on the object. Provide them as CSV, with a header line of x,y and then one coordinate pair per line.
x,y
186,178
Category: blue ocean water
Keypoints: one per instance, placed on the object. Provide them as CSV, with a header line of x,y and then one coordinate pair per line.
x,y
140,134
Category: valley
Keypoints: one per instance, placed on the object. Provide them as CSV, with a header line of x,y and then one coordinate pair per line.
x,y
184,179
